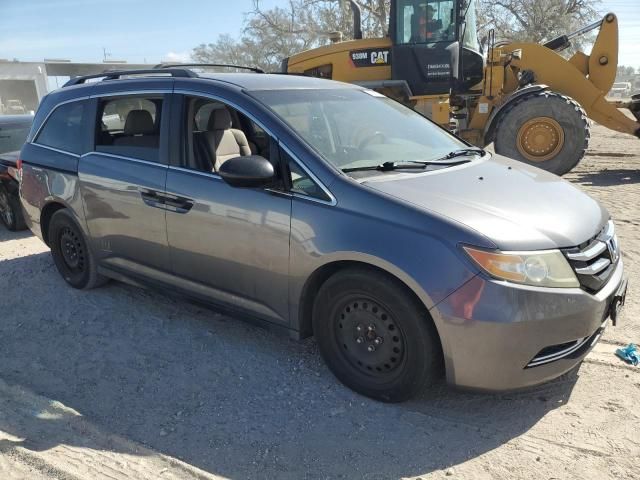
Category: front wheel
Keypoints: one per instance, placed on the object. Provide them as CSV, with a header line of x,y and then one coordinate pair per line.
x,y
546,129
374,336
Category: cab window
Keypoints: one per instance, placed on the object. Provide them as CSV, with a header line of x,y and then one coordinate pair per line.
x,y
420,21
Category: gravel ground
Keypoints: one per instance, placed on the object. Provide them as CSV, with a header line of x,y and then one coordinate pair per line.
x,y
121,383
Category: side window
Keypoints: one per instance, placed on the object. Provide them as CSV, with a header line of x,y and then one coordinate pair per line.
x,y
12,137
63,128
301,182
216,132
129,126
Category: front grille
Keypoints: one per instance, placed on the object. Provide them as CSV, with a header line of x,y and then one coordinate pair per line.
x,y
595,260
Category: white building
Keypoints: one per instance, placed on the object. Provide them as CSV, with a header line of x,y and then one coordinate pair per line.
x,y
25,83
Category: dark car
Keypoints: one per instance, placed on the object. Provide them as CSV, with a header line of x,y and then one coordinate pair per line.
x,y
328,209
13,133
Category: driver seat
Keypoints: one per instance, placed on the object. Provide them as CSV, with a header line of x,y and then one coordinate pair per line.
x,y
224,142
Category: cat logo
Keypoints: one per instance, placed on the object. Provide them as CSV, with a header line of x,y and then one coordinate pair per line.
x,y
379,58
371,57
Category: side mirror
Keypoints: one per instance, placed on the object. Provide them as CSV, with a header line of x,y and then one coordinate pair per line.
x,y
251,171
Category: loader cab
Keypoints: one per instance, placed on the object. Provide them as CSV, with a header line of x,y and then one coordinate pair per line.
x,y
435,45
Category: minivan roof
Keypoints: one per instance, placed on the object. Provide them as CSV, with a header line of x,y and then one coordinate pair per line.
x,y
273,81
247,81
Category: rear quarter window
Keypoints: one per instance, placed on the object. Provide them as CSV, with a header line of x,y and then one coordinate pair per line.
x,y
63,128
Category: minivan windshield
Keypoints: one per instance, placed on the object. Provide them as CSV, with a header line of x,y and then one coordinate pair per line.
x,y
357,128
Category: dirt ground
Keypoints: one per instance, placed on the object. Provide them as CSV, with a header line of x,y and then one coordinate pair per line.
x,y
123,383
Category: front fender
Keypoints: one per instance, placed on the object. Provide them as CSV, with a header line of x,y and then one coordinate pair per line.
x,y
492,121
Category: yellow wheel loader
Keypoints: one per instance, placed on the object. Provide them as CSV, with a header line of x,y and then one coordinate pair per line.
x,y
526,98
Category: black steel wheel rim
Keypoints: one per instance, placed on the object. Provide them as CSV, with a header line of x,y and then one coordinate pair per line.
x,y
5,208
72,250
369,337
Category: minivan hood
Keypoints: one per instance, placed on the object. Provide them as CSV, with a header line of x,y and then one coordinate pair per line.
x,y
516,206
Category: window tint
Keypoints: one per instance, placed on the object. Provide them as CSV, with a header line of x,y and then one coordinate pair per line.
x,y
63,128
12,137
130,127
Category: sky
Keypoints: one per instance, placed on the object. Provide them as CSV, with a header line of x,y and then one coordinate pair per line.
x,y
152,31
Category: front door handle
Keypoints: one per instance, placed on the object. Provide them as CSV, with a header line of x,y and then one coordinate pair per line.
x,y
176,203
173,203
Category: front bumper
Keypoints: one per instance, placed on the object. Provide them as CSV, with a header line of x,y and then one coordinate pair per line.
x,y
495,333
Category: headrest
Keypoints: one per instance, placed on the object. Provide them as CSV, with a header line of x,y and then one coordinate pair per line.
x,y
138,122
220,119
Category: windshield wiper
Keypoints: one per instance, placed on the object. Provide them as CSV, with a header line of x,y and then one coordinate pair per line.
x,y
464,152
404,165
388,166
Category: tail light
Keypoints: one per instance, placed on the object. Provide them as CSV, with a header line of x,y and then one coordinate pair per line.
x,y
19,170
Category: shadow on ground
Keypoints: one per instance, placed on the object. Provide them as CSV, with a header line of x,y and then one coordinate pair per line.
x,y
608,177
224,396
9,235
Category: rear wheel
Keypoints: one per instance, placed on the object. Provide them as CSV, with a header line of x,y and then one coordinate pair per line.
x,y
546,129
10,211
71,254
374,336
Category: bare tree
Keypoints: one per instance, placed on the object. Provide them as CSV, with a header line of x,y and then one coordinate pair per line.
x,y
272,34
535,20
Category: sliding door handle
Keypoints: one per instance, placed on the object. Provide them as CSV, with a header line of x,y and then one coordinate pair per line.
x,y
153,198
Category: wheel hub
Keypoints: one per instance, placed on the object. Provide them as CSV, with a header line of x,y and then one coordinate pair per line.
x,y
71,249
370,339
540,139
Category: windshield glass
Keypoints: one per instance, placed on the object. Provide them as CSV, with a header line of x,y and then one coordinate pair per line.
x,y
354,128
420,21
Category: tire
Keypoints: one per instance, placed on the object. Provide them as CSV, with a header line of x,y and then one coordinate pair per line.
x,y
563,112
407,354
11,211
71,252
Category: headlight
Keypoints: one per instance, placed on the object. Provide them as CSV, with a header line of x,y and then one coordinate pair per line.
x,y
543,269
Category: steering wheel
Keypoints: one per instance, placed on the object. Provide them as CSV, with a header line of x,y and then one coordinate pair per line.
x,y
370,139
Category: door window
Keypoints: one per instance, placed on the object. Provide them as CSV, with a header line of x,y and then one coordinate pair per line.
x,y
130,127
216,132
63,128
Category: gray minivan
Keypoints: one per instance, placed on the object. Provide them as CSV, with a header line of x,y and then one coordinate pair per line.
x,y
329,210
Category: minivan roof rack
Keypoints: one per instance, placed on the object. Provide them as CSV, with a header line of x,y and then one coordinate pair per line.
x,y
222,65
115,74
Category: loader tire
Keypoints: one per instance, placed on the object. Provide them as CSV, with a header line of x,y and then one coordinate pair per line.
x,y
546,129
